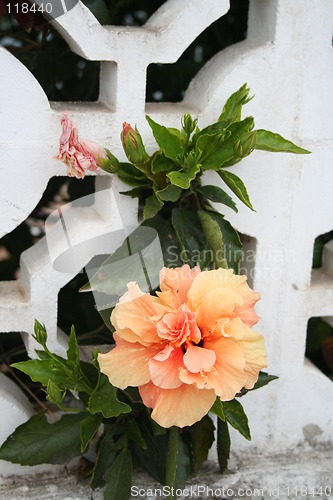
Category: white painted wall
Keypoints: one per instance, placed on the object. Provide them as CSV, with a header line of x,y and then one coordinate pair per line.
x,y
287,62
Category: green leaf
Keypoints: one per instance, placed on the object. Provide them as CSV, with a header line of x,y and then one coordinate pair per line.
x,y
263,379
218,151
134,433
217,195
44,370
217,409
270,141
236,186
191,167
161,164
104,399
38,442
119,478
214,237
233,107
152,459
167,140
190,235
129,174
152,206
138,191
217,129
105,457
235,415
223,444
170,193
232,246
73,348
168,241
202,438
89,427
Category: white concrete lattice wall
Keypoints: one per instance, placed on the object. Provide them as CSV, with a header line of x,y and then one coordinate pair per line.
x,y
287,62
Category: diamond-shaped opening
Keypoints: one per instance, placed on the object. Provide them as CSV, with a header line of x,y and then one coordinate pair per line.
x,y
168,82
319,344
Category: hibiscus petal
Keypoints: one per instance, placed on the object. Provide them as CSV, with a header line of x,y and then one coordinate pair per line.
x,y
181,407
138,312
205,282
200,379
197,359
225,278
228,376
127,363
254,352
175,283
216,304
164,368
246,312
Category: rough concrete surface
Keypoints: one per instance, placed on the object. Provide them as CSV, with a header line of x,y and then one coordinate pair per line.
x,y
299,475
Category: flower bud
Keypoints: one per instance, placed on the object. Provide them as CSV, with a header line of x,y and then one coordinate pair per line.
x,y
238,149
40,333
54,393
133,145
189,124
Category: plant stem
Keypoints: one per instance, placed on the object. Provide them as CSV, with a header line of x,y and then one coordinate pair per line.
x,y
171,465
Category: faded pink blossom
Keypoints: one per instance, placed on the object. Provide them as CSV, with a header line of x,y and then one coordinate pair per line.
x,y
78,154
191,343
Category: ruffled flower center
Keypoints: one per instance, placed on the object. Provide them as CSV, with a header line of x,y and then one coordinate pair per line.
x,y
179,327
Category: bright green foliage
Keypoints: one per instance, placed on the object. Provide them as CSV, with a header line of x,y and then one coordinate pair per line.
x,y
236,186
269,141
232,109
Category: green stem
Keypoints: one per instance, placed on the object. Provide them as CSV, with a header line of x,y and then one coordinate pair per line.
x,y
171,464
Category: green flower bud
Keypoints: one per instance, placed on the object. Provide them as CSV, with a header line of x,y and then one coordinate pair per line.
x,y
40,333
133,145
189,124
238,149
54,393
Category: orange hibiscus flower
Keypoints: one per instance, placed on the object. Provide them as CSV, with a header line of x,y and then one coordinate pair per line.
x,y
189,344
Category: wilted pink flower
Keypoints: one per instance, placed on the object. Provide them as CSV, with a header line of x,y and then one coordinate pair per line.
x,y
78,154
191,343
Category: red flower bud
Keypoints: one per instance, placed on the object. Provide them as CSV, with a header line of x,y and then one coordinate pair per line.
x,y
133,145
